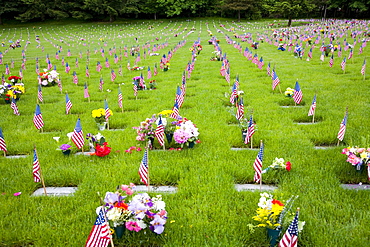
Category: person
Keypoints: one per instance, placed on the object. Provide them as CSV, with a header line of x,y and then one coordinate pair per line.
x,y
298,51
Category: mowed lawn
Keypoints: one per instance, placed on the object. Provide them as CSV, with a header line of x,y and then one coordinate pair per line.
x,y
206,210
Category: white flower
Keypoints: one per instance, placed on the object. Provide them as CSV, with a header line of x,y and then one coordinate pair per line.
x,y
301,225
70,134
141,224
56,138
44,82
99,136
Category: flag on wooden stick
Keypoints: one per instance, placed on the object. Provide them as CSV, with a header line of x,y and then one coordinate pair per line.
x,y
14,106
258,165
159,132
37,118
290,238
342,128
100,232
144,169
2,142
36,168
68,104
77,136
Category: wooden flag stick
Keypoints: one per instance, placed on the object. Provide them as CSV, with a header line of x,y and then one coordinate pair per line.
x,y
313,117
261,170
41,177
280,89
105,217
4,154
148,186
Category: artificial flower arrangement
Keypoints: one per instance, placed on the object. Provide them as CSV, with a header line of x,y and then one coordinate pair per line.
x,y
166,66
358,157
97,142
289,92
49,78
66,147
136,81
137,68
181,130
135,211
9,92
14,79
99,115
152,85
279,164
271,213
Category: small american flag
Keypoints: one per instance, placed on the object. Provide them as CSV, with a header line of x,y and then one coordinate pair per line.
x,y
155,70
115,58
343,64
268,69
250,130
87,71
240,110
363,68
2,141
331,61
107,110
227,75
149,76
290,238
86,91
77,136
342,128
175,111
159,132
297,96
128,65
258,165
76,63
107,65
233,94
7,70
360,50
120,70
20,72
322,57
98,66
340,52
275,80
69,53
179,97
101,82
350,55
37,118
113,75
36,167
68,104
255,59
260,63
144,169
75,78
120,98
14,106
67,68
141,83
37,69
311,112
100,233
135,89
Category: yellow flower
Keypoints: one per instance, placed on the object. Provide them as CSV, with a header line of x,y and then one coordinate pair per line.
x,y
165,113
363,155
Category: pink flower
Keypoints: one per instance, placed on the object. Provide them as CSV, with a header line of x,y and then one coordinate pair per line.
x,y
124,187
181,136
132,226
138,149
353,159
345,151
132,185
360,150
129,191
17,194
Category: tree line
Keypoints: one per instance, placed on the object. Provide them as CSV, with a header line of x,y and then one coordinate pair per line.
x,y
110,10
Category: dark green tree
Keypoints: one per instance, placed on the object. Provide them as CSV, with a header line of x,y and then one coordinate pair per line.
x,y
238,6
8,6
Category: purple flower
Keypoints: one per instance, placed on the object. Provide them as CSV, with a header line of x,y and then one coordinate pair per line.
x,y
157,224
181,136
65,147
111,197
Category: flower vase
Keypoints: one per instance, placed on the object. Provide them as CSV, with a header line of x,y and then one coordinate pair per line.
x,y
66,152
165,69
273,236
101,126
191,144
244,134
119,230
151,142
8,101
169,137
359,168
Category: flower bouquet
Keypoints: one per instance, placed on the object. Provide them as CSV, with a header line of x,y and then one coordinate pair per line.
x,y
49,78
65,148
135,212
139,85
358,157
9,92
99,116
14,79
166,66
152,85
279,164
98,144
289,92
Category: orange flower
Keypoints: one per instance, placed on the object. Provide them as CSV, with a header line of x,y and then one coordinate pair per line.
x,y
274,201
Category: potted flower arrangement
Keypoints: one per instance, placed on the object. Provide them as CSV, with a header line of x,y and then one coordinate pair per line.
x,y
99,116
14,79
186,133
9,92
136,81
152,85
98,144
166,66
134,211
289,92
49,78
66,147
279,164
271,214
358,157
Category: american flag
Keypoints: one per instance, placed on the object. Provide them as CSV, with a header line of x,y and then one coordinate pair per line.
x,y
67,67
120,98
339,52
107,110
255,59
227,75
78,136
175,111
137,58
100,233
68,104
258,165
98,66
37,69
350,54
2,142
343,64
37,118
322,57
312,107
20,72
233,94
275,80
363,68
113,75
62,61
76,63
69,53
14,106
86,91
155,70
39,94
179,97
360,50
297,96
268,69
159,132
310,53
120,70
7,70
149,73
331,61
135,89
144,169
240,110
115,58
87,71
128,65
342,128
290,238
75,78
36,167
260,63
250,130
101,82
107,65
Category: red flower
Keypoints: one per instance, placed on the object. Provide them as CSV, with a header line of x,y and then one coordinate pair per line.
x,y
102,151
288,166
274,201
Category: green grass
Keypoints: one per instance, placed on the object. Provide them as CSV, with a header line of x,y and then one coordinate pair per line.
x,y
207,210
